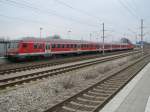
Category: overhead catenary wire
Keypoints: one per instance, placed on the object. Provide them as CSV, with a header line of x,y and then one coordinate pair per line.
x,y
23,20
135,4
130,6
129,10
77,10
49,12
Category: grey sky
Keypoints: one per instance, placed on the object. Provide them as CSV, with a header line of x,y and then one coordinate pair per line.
x,y
25,17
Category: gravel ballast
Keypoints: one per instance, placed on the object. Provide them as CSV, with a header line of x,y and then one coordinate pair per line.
x,y
41,95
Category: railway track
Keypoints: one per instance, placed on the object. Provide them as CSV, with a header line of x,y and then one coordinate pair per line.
x,y
21,67
20,79
93,98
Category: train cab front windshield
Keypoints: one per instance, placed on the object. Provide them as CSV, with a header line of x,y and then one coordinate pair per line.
x,y
13,45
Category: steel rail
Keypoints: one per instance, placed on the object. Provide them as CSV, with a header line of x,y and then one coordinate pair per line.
x,y
29,66
93,98
12,81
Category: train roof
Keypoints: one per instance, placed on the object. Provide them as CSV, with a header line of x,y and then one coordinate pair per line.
x,y
64,41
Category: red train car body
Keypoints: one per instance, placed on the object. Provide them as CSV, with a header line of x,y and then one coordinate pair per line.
x,y
30,48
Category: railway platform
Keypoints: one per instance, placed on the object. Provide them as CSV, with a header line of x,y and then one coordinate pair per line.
x,y
134,97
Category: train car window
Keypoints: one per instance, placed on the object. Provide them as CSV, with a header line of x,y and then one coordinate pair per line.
x,y
40,46
24,45
96,46
81,45
35,46
63,46
53,46
71,45
85,46
67,45
58,45
75,46
47,46
9,45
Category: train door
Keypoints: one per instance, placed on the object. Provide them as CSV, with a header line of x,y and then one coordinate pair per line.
x,y
79,48
48,49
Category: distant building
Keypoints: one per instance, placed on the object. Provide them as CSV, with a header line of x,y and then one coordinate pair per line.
x,y
2,49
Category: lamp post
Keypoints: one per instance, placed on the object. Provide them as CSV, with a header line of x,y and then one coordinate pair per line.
x,y
41,31
68,32
103,40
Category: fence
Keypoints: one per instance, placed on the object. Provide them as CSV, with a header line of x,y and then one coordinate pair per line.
x,y
3,48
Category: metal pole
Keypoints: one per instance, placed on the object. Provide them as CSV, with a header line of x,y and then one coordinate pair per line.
x,y
103,40
69,31
111,42
142,36
41,32
90,36
136,41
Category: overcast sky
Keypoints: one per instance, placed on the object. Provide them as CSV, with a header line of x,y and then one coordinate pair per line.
x,y
20,18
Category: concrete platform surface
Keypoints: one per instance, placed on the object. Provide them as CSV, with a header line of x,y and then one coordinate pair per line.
x,y
134,97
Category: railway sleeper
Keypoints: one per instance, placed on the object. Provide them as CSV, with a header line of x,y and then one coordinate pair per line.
x,y
103,90
110,88
94,98
78,107
97,91
83,104
115,84
96,94
87,102
83,99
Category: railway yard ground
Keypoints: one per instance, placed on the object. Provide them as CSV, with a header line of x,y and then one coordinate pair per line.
x,y
89,85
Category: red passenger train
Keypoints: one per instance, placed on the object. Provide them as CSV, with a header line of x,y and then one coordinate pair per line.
x,y
23,49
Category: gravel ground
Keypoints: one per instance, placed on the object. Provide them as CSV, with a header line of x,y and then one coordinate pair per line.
x,y
39,96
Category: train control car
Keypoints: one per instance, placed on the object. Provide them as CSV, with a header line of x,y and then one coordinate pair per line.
x,y
23,49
